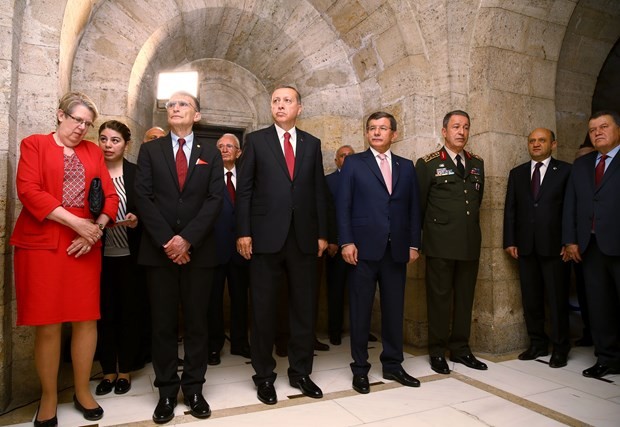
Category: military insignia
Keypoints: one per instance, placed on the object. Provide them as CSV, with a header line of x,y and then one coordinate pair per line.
x,y
443,172
477,186
430,156
470,155
475,171
443,155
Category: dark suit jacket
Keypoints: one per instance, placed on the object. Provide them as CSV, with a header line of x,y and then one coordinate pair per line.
x,y
166,211
535,226
225,236
584,201
267,199
332,180
369,216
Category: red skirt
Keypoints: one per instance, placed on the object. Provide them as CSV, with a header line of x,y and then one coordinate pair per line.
x,y
53,287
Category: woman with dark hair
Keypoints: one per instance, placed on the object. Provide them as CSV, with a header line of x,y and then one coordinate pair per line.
x,y
58,250
123,295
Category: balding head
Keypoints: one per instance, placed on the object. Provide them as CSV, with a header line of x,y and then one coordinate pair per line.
x,y
153,133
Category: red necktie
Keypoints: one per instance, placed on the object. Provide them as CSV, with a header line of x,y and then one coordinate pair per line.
x,y
230,186
181,161
536,180
600,170
289,155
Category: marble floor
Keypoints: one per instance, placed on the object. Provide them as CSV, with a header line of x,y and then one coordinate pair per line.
x,y
511,392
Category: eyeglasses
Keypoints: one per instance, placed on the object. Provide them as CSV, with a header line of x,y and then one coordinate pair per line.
x,y
381,128
181,104
79,121
227,146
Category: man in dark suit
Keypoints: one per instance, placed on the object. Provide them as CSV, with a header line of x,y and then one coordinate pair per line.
x,y
179,187
336,267
533,236
451,187
232,268
282,228
591,233
378,210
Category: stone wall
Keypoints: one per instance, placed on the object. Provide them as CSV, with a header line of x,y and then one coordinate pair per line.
x,y
513,65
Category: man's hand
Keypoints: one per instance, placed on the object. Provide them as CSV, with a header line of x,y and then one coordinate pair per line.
x,y
322,246
349,253
177,249
414,254
244,247
571,253
512,251
332,249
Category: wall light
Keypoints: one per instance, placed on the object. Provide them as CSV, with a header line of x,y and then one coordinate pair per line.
x,y
169,83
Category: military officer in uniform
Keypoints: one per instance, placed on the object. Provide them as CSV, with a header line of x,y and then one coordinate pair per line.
x,y
451,187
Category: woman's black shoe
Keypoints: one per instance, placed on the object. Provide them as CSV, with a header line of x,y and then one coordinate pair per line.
x,y
104,387
52,422
123,385
89,414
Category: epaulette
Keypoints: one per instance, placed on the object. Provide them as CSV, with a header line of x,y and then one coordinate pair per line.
x,y
475,156
431,156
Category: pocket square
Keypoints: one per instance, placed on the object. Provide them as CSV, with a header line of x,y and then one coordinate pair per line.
x,y
201,162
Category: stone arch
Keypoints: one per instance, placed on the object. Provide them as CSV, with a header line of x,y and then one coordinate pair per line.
x,y
591,34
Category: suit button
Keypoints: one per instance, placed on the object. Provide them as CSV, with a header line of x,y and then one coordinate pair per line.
x,y
535,205
465,191
178,221
181,200
466,202
467,212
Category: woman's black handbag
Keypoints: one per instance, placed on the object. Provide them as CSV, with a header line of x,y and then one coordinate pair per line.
x,y
95,197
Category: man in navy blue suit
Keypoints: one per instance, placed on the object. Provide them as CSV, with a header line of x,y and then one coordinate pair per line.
x,y
378,211
336,267
591,234
232,268
533,236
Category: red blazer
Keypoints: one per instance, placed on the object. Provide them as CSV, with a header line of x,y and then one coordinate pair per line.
x,y
40,174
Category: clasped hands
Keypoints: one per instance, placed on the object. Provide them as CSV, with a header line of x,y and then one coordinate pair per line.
x,y
177,249
89,234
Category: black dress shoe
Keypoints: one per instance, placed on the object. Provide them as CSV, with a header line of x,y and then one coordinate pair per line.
x,y
52,422
584,341
402,377
470,361
307,387
198,406
164,411
214,358
105,387
558,359
599,371
319,346
266,393
89,414
361,384
335,339
372,338
123,385
439,365
243,352
533,353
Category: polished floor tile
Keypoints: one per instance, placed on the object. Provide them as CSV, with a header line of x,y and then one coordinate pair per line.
x,y
511,392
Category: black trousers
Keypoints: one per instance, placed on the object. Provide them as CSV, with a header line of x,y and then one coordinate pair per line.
x,y
336,272
237,278
602,275
450,286
540,277
189,287
124,315
267,273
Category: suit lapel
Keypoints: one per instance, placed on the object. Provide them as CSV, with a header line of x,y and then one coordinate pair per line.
x,y
193,157
550,176
274,144
611,169
165,145
371,162
395,172
300,151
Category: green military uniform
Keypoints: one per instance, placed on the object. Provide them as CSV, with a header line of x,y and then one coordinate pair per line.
x,y
451,242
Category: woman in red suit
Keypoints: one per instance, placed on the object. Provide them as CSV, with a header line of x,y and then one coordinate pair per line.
x,y
58,250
